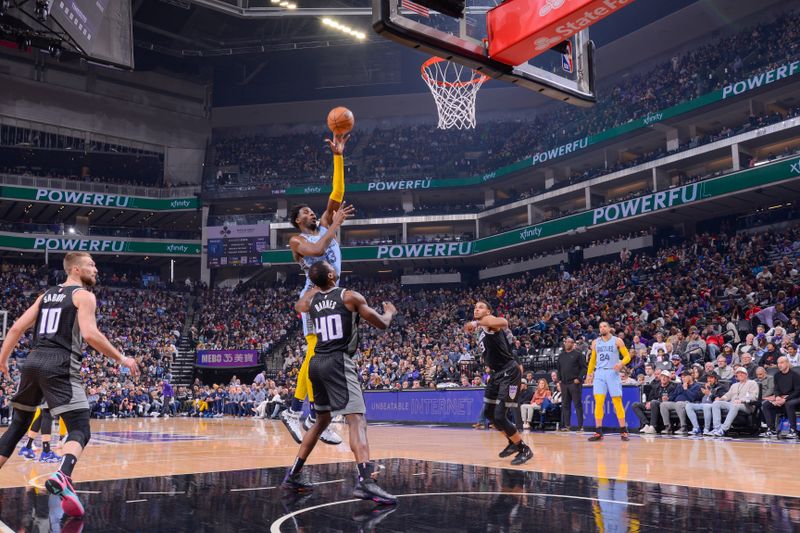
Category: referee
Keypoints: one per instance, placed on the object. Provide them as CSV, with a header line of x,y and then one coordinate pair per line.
x,y
572,373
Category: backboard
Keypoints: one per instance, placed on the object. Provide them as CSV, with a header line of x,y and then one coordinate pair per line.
x,y
469,41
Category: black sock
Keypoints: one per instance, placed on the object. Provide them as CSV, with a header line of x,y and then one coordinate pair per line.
x,y
365,470
623,429
67,464
297,466
29,444
46,446
521,446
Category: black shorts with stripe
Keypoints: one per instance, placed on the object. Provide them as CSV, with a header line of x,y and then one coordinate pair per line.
x,y
53,376
335,383
503,385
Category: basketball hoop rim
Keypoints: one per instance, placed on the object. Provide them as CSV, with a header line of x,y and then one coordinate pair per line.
x,y
480,78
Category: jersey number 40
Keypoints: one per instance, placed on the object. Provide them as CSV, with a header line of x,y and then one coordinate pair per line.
x,y
329,327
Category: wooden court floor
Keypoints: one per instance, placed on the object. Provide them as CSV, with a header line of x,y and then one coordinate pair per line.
x,y
124,449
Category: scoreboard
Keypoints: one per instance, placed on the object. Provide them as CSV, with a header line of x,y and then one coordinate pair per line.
x,y
236,245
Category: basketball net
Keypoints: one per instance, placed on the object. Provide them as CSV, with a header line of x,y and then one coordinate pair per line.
x,y
454,88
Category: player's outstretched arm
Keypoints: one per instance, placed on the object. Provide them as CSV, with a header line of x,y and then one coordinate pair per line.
x,y
358,303
494,323
86,303
17,330
303,305
337,190
303,248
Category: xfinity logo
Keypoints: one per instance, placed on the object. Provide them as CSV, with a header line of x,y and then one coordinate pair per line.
x,y
530,233
796,167
653,117
489,176
180,203
182,248
310,190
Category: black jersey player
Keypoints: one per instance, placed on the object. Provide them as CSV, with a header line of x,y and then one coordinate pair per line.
x,y
505,378
335,312
62,318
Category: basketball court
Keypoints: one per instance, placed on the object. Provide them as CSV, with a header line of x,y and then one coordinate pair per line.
x,y
185,474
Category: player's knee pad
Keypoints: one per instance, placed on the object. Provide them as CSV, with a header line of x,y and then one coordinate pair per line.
x,y
20,423
78,429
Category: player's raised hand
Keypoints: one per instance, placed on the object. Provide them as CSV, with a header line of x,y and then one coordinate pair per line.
x,y
337,144
344,212
470,326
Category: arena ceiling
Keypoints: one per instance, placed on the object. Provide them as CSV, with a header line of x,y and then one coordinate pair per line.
x,y
256,53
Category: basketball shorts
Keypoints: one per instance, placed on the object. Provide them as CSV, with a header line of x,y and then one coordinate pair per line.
x,y
335,383
504,385
53,376
607,381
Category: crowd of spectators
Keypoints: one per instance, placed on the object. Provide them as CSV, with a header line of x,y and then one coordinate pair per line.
x,y
424,151
711,283
144,323
713,301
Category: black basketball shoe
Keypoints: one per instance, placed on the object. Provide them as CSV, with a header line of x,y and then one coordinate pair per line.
x,y
296,482
509,450
525,454
367,489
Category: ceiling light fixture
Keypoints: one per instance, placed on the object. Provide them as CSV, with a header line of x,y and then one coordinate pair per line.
x,y
360,35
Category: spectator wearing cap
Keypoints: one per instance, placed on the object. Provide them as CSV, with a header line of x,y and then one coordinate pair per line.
x,y
736,400
659,392
696,347
687,392
572,368
760,345
677,364
769,359
727,351
785,400
711,390
724,371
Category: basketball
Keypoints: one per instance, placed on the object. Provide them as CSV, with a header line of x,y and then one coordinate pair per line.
x,y
341,120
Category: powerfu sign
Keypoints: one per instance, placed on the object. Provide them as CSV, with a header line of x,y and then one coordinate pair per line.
x,y
646,204
410,251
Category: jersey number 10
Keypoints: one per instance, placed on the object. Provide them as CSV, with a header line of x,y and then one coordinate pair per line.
x,y
48,324
329,327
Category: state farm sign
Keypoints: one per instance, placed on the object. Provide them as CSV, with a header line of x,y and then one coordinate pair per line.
x,y
519,30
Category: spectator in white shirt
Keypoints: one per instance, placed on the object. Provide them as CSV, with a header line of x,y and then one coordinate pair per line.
x,y
736,400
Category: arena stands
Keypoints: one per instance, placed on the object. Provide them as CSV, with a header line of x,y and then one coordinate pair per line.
x,y
430,152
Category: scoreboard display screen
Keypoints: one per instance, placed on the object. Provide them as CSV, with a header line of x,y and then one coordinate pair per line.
x,y
239,245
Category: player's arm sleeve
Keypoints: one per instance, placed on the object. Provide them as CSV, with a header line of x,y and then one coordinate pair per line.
x,y
626,356
592,361
337,192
